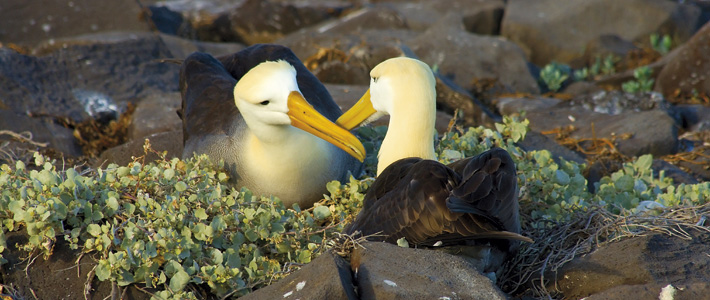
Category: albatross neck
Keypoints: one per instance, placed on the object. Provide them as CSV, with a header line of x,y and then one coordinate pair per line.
x,y
410,133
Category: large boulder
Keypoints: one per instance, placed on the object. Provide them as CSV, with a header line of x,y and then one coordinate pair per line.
x,y
640,268
85,81
466,57
688,72
556,30
26,24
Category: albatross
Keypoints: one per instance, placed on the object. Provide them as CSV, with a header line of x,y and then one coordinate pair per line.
x,y
269,119
414,196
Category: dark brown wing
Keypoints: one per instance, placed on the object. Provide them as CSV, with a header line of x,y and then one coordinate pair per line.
x,y
425,201
487,194
408,200
207,97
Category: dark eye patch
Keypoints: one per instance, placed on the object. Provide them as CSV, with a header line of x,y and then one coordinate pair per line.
x,y
265,102
374,79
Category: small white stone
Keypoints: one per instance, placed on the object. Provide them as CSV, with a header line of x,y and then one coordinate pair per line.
x,y
390,283
288,294
300,285
667,293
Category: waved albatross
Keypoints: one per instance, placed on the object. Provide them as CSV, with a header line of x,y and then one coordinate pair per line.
x,y
248,109
469,201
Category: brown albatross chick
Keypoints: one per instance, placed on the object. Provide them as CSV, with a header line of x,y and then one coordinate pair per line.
x,y
471,201
249,110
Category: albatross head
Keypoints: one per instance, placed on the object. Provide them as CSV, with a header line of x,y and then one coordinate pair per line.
x,y
270,102
398,86
405,89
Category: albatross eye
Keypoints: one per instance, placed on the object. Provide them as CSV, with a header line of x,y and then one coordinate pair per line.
x,y
374,79
265,102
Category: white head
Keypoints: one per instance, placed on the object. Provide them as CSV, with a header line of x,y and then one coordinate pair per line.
x,y
272,106
262,94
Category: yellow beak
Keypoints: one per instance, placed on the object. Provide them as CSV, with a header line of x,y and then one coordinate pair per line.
x,y
305,117
362,110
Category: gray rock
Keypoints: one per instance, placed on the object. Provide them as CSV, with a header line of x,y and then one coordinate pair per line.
x,y
478,16
355,34
170,141
319,279
27,24
155,113
201,20
465,57
617,102
671,171
259,21
652,131
83,81
450,97
604,45
386,271
698,165
538,141
579,88
343,51
550,30
689,71
514,106
179,48
42,129
638,267
694,117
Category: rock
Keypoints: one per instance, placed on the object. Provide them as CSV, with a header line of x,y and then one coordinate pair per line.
x,y
201,20
80,81
671,171
42,129
463,56
479,16
450,97
694,117
355,34
515,106
689,71
604,45
155,113
578,88
343,51
550,30
27,25
259,21
326,277
647,119
538,141
179,48
386,271
653,131
698,165
618,102
640,266
170,141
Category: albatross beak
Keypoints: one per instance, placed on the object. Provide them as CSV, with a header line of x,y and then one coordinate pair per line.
x,y
357,114
305,117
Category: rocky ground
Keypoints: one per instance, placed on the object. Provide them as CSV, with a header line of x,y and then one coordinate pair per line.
x,y
67,68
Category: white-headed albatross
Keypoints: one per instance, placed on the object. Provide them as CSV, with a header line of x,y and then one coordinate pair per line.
x,y
273,141
416,197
